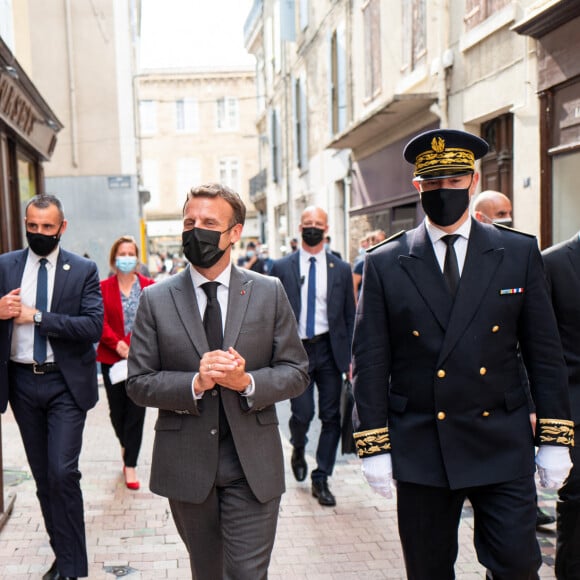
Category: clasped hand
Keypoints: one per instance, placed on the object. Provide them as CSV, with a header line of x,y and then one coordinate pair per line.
x,y
11,306
226,368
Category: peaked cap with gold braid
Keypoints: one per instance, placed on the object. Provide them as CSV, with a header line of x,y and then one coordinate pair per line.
x,y
444,153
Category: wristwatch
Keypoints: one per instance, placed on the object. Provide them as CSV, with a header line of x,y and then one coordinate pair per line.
x,y
37,317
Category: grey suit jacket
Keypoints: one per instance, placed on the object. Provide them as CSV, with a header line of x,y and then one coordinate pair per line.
x,y
167,344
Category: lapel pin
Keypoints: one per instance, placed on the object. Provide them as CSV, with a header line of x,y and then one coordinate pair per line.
x,y
242,292
66,267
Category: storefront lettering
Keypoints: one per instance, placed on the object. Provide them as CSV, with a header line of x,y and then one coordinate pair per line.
x,y
15,108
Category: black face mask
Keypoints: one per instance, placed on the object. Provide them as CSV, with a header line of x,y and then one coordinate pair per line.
x,y
42,245
312,236
445,206
201,246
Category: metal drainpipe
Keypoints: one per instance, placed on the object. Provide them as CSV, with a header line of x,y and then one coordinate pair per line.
x,y
443,70
72,85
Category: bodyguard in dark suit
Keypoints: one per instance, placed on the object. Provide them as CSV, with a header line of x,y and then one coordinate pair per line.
x,y
562,263
437,384
323,304
51,314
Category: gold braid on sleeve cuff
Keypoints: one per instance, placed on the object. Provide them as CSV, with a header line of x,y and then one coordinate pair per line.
x,y
556,432
372,442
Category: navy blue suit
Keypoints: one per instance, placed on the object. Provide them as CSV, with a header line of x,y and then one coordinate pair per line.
x,y
562,263
328,357
50,408
437,385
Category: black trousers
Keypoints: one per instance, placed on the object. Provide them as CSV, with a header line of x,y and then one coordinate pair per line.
x,y
568,530
127,417
504,529
328,379
51,425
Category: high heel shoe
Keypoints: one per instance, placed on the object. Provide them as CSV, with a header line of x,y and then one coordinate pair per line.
x,y
133,485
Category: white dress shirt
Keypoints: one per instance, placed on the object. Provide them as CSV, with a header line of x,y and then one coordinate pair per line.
x,y
321,313
222,295
22,345
440,247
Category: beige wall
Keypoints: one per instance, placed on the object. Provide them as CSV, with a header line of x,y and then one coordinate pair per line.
x,y
204,147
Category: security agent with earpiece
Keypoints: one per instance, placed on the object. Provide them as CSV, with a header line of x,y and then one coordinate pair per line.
x,y
437,381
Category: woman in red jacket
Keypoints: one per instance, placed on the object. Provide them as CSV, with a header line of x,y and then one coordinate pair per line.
x,y
121,293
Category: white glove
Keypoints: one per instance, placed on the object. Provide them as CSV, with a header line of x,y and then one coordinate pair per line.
x,y
553,464
378,471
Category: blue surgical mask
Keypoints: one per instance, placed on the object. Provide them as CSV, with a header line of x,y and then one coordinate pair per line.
x,y
250,254
126,264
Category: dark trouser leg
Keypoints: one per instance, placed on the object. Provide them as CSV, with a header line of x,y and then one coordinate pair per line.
x,y
428,522
505,529
329,384
230,535
302,408
132,429
568,526
52,426
117,401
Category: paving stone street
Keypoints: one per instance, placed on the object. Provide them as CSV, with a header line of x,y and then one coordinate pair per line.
x,y
132,534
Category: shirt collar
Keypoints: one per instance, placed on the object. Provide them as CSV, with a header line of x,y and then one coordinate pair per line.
x,y
305,256
199,279
51,258
435,234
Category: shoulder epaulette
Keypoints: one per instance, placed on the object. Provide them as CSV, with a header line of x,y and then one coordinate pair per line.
x,y
393,237
504,227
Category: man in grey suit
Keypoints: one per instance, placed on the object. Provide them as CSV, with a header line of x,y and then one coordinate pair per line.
x,y
217,454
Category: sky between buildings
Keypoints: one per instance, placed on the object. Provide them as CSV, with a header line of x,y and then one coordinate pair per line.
x,y
194,33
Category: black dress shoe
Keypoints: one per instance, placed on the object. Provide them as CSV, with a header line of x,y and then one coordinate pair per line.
x,y
320,490
299,465
543,519
52,572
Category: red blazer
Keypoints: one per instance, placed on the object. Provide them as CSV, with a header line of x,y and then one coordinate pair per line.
x,y
114,323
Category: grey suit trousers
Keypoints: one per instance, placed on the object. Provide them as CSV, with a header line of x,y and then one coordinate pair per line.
x,y
231,522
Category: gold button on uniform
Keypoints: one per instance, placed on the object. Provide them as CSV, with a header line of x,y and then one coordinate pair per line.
x,y
495,328
415,333
441,373
482,371
485,414
441,415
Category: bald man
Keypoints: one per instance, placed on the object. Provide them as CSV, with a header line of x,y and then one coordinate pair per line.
x,y
493,207
319,287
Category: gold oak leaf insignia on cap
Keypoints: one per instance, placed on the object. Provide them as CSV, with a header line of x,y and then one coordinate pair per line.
x,y
438,144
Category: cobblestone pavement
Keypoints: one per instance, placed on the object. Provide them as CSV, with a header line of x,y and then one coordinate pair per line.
x,y
131,533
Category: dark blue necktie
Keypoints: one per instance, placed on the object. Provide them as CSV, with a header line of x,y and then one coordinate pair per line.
x,y
212,318
311,302
39,351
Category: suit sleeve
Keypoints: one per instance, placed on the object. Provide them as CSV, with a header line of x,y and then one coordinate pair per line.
x,y
85,325
287,375
148,385
371,365
543,358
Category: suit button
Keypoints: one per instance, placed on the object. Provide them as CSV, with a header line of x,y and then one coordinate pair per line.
x,y
485,414
415,333
495,328
482,371
441,415
441,373
213,432
214,393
